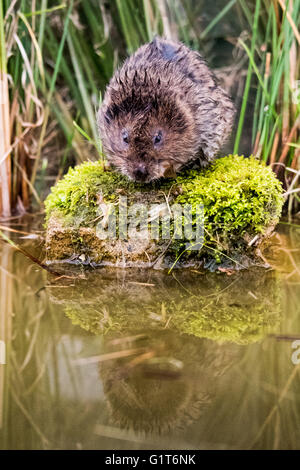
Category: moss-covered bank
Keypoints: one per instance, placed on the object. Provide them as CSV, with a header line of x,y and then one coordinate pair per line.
x,y
242,202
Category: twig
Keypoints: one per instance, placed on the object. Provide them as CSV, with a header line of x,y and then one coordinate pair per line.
x,y
109,356
29,255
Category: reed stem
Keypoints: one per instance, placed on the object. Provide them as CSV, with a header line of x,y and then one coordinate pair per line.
x,y
5,162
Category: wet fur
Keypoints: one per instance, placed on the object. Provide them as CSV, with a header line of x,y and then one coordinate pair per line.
x,y
164,86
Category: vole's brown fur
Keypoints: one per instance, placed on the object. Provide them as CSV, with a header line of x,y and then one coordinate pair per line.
x,y
163,109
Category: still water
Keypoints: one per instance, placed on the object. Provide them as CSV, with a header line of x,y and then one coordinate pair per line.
x,y
128,359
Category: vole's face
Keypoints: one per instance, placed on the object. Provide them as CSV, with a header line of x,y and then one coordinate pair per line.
x,y
144,146
139,149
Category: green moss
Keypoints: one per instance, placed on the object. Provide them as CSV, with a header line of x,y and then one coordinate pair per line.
x,y
76,194
240,195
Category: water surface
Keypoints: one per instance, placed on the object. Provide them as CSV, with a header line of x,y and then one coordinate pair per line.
x,y
128,359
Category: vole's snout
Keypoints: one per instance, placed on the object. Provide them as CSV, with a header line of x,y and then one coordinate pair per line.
x,y
141,172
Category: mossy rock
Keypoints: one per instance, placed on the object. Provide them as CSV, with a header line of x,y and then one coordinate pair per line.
x,y
242,200
242,308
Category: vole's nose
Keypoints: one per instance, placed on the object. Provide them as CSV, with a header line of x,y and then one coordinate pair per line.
x,y
140,172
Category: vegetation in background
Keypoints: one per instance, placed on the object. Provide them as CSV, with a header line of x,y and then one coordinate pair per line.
x,y
58,56
274,64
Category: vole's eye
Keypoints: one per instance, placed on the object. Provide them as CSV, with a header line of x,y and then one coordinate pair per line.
x,y
125,136
157,138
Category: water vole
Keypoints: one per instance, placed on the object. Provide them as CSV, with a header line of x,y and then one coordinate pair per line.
x,y
163,109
